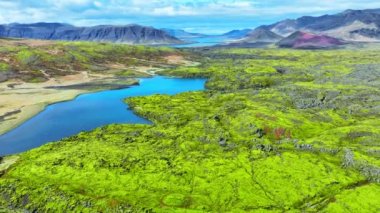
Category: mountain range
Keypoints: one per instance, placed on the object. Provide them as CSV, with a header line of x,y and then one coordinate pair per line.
x,y
237,34
131,34
350,25
261,35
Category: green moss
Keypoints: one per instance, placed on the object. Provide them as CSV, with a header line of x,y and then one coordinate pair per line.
x,y
26,56
176,200
347,201
276,131
131,74
4,67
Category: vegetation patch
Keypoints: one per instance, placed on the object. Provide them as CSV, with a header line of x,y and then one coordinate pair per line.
x,y
275,131
4,67
67,58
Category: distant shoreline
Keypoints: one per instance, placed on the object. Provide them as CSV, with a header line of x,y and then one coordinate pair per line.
x,y
46,95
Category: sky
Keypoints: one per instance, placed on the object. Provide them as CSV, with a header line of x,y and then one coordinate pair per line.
x,y
205,16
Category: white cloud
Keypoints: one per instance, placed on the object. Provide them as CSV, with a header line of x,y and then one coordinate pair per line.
x,y
98,4
64,3
172,11
164,11
187,7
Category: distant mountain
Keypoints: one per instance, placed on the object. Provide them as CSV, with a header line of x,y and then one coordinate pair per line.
x,y
182,34
351,25
131,34
261,35
303,40
237,34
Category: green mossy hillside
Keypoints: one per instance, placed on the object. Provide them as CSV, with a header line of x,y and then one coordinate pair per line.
x,y
275,131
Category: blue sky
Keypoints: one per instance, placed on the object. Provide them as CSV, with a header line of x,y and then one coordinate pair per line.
x,y
208,16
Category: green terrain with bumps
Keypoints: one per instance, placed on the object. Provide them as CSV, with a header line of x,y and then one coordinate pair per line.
x,y
276,130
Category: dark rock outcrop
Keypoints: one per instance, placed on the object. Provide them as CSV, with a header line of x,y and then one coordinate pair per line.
x,y
369,33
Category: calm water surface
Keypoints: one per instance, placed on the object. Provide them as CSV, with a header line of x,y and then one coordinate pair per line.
x,y
203,42
87,112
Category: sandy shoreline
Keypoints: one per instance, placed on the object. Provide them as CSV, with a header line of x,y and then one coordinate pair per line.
x,y
20,101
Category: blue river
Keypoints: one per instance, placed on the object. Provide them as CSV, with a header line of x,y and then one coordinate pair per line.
x,y
89,111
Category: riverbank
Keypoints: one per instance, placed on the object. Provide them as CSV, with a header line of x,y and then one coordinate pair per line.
x,y
21,101
35,73
89,111
6,162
